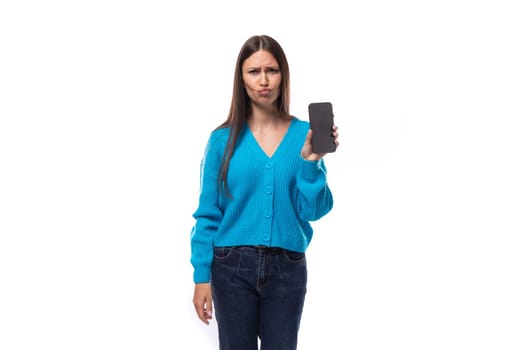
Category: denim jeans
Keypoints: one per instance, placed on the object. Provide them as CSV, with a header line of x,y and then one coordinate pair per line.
x,y
258,293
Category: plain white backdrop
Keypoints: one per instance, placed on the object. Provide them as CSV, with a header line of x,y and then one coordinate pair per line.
x,y
105,109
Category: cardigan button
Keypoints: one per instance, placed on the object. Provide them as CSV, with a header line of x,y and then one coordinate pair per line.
x,y
269,165
268,189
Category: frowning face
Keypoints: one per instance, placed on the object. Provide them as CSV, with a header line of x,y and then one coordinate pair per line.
x,y
262,78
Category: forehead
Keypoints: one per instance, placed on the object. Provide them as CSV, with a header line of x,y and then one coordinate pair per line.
x,y
261,58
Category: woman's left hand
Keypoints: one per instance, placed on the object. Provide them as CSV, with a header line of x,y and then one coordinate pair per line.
x,y
307,153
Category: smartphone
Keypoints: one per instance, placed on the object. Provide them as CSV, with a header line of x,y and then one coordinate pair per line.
x,y
321,122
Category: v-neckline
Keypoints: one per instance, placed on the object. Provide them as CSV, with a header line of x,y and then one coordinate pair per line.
x,y
279,146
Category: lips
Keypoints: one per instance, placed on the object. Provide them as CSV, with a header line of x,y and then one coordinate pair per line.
x,y
265,91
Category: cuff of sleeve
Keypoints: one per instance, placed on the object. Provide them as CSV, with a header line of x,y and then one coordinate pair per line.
x,y
201,275
310,169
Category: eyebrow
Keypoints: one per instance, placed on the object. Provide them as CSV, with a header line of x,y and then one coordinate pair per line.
x,y
270,67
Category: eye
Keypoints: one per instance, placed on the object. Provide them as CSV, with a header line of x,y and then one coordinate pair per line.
x,y
273,70
253,71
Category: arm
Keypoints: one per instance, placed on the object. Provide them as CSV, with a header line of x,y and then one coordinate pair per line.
x,y
314,198
208,216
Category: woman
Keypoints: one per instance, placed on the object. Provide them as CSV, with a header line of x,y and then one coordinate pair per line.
x,y
261,185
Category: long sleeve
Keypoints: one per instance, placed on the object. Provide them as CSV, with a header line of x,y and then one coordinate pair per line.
x,y
314,198
208,214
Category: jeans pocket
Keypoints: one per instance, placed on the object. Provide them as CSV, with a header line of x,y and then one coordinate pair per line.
x,y
294,256
221,252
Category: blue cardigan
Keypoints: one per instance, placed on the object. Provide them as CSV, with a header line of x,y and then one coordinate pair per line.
x,y
273,198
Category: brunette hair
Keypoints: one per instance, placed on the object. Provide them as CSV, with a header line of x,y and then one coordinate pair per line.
x,y
240,107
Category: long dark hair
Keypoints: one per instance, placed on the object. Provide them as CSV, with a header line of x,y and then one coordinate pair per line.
x,y
240,107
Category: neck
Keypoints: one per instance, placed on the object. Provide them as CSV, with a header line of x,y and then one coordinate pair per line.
x,y
265,115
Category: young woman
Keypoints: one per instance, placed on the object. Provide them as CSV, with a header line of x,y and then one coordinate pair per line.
x,y
261,186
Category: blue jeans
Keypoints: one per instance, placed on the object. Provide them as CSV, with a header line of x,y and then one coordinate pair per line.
x,y
258,293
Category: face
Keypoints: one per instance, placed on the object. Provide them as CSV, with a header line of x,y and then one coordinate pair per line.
x,y
262,78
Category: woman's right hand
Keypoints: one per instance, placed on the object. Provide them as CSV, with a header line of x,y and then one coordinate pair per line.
x,y
307,152
202,301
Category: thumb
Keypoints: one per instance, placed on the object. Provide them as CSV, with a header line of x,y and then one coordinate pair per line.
x,y
307,147
309,137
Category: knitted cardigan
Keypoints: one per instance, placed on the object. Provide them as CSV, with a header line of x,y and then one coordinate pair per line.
x,y
273,199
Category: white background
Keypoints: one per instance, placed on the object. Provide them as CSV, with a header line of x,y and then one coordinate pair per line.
x,y
105,109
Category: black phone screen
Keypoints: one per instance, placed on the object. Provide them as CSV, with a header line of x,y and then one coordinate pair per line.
x,y
321,122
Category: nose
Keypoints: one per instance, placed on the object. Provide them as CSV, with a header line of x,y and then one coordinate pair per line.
x,y
264,79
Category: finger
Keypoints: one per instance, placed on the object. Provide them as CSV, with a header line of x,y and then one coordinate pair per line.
x,y
209,308
200,308
204,316
309,136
